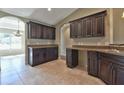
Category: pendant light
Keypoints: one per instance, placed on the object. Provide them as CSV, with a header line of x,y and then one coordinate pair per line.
x,y
18,33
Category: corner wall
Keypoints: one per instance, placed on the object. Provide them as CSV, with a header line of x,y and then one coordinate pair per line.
x,y
118,26
94,40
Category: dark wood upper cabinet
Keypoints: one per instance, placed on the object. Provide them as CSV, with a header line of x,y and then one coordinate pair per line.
x,y
51,33
45,32
32,30
89,26
73,30
79,29
83,28
99,25
39,31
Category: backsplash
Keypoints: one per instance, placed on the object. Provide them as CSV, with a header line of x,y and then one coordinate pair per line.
x,y
39,42
91,41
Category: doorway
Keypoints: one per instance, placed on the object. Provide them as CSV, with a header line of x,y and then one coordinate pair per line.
x,y
65,40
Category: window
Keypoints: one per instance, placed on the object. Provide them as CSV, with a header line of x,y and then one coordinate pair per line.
x,y
9,41
8,27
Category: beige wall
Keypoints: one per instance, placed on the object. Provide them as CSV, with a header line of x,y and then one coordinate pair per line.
x,y
78,14
118,26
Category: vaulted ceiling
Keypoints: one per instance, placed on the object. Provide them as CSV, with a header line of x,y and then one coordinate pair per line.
x,y
41,14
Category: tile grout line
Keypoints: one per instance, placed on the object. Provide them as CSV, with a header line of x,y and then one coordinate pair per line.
x,y
20,77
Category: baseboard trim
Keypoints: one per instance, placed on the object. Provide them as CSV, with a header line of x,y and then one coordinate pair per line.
x,y
62,57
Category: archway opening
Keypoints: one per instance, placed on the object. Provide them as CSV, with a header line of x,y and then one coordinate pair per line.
x,y
10,44
65,40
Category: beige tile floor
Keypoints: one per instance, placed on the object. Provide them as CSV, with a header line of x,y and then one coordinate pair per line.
x,y
15,72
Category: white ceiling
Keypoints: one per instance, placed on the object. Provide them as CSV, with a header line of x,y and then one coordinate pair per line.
x,y
41,14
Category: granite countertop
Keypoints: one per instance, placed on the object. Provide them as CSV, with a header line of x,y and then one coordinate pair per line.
x,y
104,49
42,46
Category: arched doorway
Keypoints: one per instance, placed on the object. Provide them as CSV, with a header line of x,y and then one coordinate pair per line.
x,y
12,39
65,40
9,26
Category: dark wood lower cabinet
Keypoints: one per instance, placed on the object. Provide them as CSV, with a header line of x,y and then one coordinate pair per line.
x,y
71,58
107,67
118,75
110,67
52,54
92,63
105,70
42,55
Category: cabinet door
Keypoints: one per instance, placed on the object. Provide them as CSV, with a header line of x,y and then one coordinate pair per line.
x,y
36,56
53,33
98,25
83,28
88,27
118,75
41,31
38,31
93,63
35,31
50,33
42,55
73,30
45,32
33,28
52,53
105,70
71,58
49,54
79,29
